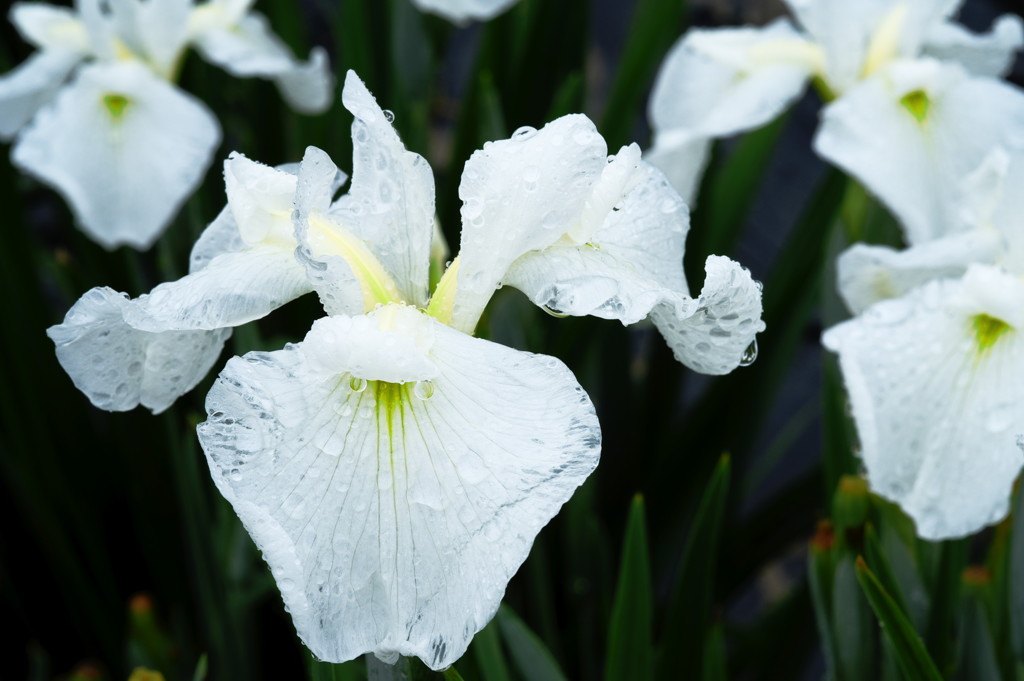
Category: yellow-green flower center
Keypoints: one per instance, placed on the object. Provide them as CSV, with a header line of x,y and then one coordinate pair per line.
x,y
988,330
116,105
917,103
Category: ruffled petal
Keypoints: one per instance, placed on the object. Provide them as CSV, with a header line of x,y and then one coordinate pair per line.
x,y
50,27
914,133
30,86
935,383
868,273
461,11
124,147
990,54
392,516
626,264
521,195
119,367
716,332
250,48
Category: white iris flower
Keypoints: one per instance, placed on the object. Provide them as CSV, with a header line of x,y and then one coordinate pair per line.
x,y
917,104
934,361
393,469
95,104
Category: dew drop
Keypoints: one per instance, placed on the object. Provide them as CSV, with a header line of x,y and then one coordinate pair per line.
x,y
749,355
423,389
357,384
553,312
389,115
524,133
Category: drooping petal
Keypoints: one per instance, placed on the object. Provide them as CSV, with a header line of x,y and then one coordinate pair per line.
x,y
119,367
153,30
520,195
50,27
913,133
716,332
30,86
250,48
261,200
989,54
716,83
392,516
935,384
461,11
124,147
627,262
867,274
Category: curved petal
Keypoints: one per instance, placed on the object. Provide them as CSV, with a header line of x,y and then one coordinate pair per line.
x,y
624,266
250,48
914,132
124,147
935,386
390,203
30,86
844,30
50,27
716,83
991,54
392,516
261,200
461,11
119,367
716,333
868,274
154,30
520,195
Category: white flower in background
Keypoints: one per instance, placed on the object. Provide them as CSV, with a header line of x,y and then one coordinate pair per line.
x,y
716,83
461,11
934,361
95,105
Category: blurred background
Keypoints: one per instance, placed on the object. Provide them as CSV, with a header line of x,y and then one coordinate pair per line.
x,y
688,553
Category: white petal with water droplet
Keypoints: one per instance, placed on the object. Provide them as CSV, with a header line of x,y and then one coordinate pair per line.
x,y
520,195
937,411
712,333
392,523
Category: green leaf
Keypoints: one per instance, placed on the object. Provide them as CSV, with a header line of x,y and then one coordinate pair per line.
x,y
533,660
486,648
879,563
656,25
201,667
819,575
715,668
630,654
854,628
948,559
689,614
978,660
910,652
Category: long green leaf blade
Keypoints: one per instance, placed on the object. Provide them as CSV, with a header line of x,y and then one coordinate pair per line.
x,y
630,654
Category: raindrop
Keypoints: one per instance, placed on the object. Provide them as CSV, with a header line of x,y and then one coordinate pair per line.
x,y
389,115
554,312
525,132
749,355
357,384
423,389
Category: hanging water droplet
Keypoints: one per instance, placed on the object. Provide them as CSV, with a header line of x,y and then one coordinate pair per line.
x,y
423,389
389,115
749,355
357,384
524,132
554,312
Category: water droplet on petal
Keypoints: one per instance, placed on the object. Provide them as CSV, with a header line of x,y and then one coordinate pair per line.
x,y
749,355
524,133
389,115
423,389
357,384
553,312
